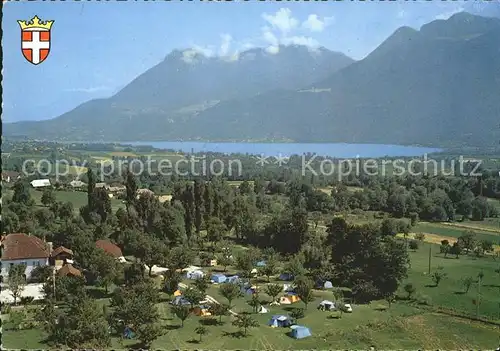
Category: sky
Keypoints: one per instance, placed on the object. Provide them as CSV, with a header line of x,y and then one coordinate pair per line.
x,y
99,47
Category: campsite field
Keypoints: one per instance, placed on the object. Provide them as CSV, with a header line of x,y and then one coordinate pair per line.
x,y
419,323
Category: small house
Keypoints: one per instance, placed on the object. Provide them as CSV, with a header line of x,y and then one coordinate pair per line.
x,y
218,278
40,183
10,176
77,184
60,256
69,271
109,248
300,332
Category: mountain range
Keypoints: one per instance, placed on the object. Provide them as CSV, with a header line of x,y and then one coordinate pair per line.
x,y
437,86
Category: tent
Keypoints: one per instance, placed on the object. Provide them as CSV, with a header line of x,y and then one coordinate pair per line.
x,y
262,309
128,333
201,311
177,293
300,332
180,301
287,287
233,279
196,274
326,305
251,290
285,300
280,321
261,264
218,278
328,285
286,276
292,297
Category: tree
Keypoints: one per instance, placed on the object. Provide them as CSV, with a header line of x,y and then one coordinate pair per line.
x,y
106,269
135,306
297,313
21,193
273,290
147,333
467,241
304,290
172,280
65,210
131,192
420,236
181,312
467,282
245,262
202,284
271,267
194,296
390,298
456,249
409,289
201,330
86,325
230,292
48,197
216,229
438,275
254,302
245,321
413,245
445,247
217,309
224,260
17,281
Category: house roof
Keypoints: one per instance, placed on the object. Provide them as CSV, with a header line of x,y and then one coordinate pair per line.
x,y
61,249
101,185
20,246
68,269
109,247
10,174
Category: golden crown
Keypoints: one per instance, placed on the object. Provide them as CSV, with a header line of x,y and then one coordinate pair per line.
x,y
35,22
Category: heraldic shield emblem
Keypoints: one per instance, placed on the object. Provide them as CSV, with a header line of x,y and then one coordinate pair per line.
x,y
35,39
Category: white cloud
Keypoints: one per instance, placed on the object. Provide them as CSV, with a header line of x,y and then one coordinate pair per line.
x,y
273,49
269,36
225,45
282,20
301,40
315,24
448,14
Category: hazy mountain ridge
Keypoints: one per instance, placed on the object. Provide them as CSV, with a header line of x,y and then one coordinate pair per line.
x,y
434,86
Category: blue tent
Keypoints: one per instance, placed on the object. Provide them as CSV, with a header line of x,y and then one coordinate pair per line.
x,y
300,332
286,276
180,301
280,320
233,279
128,333
218,278
261,264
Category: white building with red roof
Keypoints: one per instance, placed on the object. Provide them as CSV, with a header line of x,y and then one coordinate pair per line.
x,y
19,248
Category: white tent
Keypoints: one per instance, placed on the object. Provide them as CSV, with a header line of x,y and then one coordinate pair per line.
x,y
262,309
326,305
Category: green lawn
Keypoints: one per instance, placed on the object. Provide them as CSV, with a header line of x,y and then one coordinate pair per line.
x,y
454,232
77,198
450,292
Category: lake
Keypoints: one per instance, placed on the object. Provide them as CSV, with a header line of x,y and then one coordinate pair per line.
x,y
286,149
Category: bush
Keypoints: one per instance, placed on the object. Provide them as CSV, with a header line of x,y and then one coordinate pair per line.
x,y
424,300
26,300
297,313
5,309
413,245
420,236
